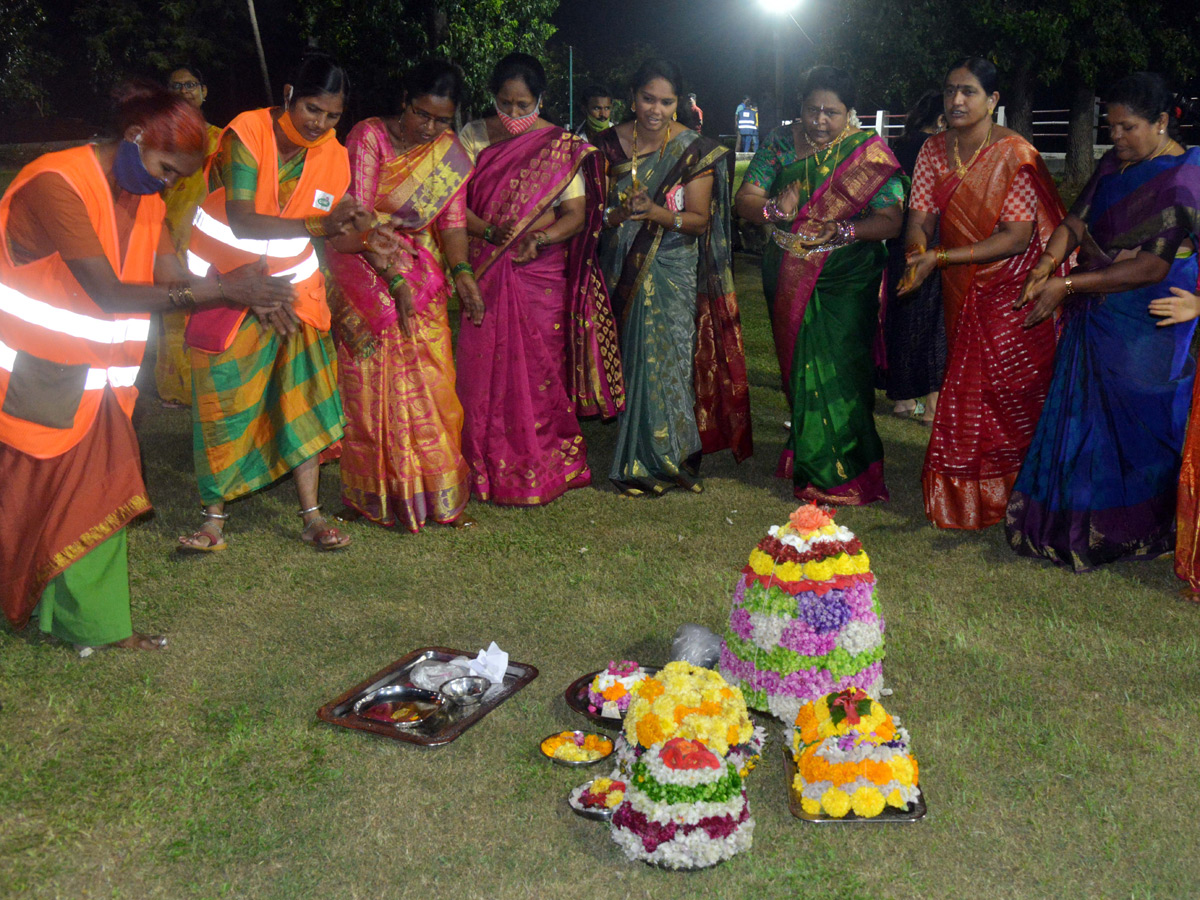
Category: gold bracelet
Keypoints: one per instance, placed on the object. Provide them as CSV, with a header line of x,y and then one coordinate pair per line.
x,y
943,258
1070,287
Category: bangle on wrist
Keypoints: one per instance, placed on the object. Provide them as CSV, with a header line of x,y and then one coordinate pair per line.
x,y
489,233
678,223
608,211
541,239
943,257
395,283
460,268
315,225
1070,287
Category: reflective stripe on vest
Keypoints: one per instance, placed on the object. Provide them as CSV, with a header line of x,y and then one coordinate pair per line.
x,y
72,324
278,248
117,376
298,273
747,119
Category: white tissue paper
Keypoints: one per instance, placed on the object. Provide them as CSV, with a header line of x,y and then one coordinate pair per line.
x,y
491,663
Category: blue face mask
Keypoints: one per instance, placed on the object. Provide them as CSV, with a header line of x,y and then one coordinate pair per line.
x,y
131,172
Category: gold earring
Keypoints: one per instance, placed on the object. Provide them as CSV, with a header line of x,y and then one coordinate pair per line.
x,y
674,117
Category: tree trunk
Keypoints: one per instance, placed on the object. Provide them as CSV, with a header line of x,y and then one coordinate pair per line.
x,y
1081,121
1019,107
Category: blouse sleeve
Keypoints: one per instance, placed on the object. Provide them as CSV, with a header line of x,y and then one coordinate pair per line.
x,y
47,216
922,182
1021,203
366,154
455,213
765,167
890,194
235,169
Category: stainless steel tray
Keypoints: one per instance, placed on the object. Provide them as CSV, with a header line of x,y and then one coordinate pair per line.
x,y
890,815
447,724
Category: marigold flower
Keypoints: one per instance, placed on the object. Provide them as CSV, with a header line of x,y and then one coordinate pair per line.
x,y
836,802
867,802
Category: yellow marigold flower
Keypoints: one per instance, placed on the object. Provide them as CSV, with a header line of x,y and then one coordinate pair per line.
x,y
819,571
867,802
903,770
836,802
810,806
614,692
894,799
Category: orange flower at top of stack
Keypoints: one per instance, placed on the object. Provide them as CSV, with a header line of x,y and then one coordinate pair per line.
x,y
809,517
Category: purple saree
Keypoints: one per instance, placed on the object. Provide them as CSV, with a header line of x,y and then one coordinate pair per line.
x,y
547,348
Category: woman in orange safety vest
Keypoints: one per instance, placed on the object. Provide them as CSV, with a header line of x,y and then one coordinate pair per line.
x,y
84,260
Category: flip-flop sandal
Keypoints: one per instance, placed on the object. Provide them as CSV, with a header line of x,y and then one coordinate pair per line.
x,y
139,642
461,522
215,543
317,538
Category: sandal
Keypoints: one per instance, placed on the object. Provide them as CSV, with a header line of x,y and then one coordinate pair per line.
x,y
210,532
461,521
135,641
320,534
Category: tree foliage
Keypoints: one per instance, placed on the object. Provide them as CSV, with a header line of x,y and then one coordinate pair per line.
x,y
25,58
378,40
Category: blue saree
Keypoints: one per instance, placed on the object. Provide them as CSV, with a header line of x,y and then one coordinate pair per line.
x,y
1099,481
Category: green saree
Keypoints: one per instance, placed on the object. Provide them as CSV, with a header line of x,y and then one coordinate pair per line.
x,y
687,392
824,313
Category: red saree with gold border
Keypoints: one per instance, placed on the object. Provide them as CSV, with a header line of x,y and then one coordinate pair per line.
x,y
997,371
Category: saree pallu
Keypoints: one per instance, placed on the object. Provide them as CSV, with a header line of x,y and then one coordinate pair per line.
x,y
825,309
172,370
261,408
546,350
997,371
681,341
56,512
402,459
1100,479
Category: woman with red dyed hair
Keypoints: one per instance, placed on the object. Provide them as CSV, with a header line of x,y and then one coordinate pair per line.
x,y
84,260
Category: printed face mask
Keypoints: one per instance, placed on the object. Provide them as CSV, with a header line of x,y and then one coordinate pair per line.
x,y
522,123
131,172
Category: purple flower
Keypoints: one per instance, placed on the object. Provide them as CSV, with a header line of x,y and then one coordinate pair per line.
x,y
824,614
739,622
799,637
739,592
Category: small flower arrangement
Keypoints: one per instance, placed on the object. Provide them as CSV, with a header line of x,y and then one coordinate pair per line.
x,y
576,746
851,757
609,693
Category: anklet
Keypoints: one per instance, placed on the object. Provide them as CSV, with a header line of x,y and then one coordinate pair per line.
x,y
305,512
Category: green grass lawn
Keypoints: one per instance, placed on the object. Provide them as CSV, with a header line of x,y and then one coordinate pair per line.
x,y
1049,712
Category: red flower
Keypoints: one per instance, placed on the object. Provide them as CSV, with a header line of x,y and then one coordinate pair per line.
x,y
681,753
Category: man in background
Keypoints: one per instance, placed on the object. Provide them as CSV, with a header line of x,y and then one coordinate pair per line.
x,y
597,111
747,126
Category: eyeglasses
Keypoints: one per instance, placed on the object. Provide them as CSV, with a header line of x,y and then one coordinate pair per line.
x,y
180,86
815,112
443,121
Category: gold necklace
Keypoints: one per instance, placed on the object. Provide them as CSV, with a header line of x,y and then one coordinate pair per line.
x,y
661,150
823,164
958,163
1157,153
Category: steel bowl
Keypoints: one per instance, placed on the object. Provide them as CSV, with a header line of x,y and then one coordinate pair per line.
x,y
466,690
412,705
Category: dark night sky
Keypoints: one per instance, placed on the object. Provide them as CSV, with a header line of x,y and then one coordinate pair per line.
x,y
725,47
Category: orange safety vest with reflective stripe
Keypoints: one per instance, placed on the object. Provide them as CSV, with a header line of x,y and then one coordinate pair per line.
x,y
323,180
49,325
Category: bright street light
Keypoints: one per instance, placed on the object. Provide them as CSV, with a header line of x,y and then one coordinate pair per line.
x,y
781,7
